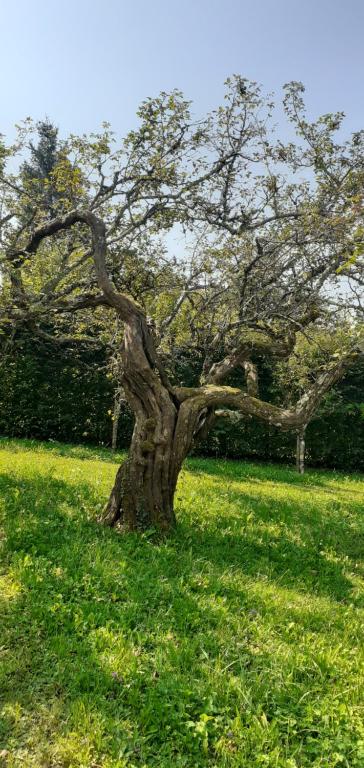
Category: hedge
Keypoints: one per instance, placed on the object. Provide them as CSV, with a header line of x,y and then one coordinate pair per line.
x,y
65,394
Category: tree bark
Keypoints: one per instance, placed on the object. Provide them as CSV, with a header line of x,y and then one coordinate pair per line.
x,y
142,496
143,493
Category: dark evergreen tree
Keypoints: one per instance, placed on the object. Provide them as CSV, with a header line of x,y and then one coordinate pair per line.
x,y
37,171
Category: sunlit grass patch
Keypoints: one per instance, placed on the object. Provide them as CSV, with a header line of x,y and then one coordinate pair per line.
x,y
237,642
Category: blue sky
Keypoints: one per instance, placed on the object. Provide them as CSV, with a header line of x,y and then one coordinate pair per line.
x,y
84,61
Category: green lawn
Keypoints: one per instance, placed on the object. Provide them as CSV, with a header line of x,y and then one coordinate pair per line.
x,y
237,642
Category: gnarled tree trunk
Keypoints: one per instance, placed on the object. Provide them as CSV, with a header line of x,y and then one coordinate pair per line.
x,y
145,484
142,496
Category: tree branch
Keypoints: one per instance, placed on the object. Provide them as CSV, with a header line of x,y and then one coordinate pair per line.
x,y
287,418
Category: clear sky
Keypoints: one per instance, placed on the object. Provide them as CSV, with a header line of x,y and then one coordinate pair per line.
x,y
84,61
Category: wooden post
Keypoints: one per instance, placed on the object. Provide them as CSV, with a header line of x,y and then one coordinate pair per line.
x,y
300,450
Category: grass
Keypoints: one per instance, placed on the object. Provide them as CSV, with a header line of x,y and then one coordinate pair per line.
x,y
236,643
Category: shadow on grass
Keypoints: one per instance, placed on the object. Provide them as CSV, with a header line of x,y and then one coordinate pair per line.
x,y
288,535
240,470
84,589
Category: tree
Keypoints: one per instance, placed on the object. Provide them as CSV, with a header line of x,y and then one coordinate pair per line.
x,y
312,356
273,241
37,172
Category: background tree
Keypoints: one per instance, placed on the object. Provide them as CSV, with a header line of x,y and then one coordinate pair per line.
x,y
37,171
272,232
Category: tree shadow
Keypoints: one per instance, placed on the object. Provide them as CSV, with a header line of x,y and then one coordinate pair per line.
x,y
316,520
79,589
240,470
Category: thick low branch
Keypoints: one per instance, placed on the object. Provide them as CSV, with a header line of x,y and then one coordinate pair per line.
x,y
211,396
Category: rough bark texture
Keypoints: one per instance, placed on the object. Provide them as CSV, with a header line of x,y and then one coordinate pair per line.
x,y
145,484
143,493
